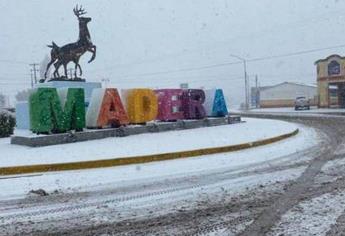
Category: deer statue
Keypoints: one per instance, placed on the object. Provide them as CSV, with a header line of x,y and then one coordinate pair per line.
x,y
72,52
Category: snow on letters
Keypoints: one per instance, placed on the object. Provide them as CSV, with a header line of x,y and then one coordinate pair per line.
x,y
59,110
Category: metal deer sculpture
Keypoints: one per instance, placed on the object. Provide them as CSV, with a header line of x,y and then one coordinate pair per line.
x,y
72,52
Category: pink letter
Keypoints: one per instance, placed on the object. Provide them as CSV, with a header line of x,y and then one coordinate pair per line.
x,y
169,104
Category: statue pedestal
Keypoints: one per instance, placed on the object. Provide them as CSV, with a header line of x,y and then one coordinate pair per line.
x,y
22,115
22,108
75,79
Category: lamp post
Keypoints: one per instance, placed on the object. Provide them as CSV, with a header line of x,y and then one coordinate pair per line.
x,y
246,89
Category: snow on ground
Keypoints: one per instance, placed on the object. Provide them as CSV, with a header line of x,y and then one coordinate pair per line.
x,y
331,171
292,109
123,175
333,165
340,150
102,209
145,144
314,217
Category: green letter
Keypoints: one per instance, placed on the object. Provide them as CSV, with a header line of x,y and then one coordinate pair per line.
x,y
50,115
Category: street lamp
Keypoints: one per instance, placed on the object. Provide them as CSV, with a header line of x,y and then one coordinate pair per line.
x,y
245,80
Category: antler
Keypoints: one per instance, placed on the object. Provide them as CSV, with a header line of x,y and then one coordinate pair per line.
x,y
79,12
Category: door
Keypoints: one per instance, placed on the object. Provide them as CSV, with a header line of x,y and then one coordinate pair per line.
x,y
341,95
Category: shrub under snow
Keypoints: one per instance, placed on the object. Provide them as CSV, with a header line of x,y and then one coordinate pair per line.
x,y
7,123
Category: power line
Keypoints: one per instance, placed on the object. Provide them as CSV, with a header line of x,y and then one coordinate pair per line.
x,y
296,53
182,70
14,62
220,64
235,79
15,84
279,27
233,63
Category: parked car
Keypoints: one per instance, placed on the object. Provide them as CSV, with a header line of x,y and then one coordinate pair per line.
x,y
302,103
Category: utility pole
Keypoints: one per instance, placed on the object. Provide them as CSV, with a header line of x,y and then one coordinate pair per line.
x,y
246,85
32,78
256,92
35,70
246,88
8,101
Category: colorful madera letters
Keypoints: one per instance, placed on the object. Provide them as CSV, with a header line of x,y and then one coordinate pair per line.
x,y
55,111
59,110
141,105
169,104
106,109
215,105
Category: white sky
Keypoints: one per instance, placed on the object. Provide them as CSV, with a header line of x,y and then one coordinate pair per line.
x,y
138,38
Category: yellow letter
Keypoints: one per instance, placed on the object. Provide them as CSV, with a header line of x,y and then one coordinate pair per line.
x,y
142,105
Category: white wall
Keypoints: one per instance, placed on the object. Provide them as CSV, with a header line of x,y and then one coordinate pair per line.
x,y
288,91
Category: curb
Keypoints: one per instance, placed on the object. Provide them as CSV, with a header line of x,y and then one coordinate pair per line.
x,y
138,159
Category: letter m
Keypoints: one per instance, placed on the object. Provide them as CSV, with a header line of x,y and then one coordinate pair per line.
x,y
53,111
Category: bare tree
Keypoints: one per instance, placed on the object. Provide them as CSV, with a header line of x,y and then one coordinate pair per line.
x,y
43,66
2,100
23,95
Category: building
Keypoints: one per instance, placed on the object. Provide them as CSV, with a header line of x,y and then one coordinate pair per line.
x,y
331,81
282,95
255,95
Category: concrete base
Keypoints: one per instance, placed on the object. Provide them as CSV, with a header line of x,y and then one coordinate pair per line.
x,y
46,140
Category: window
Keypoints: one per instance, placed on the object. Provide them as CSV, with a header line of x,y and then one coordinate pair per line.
x,y
333,68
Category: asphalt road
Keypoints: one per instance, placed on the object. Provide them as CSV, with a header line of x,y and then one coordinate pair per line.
x,y
253,200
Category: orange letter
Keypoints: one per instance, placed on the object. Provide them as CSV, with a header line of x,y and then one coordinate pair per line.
x,y
106,109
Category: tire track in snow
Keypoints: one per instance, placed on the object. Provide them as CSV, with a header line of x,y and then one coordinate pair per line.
x,y
38,215
312,217
189,183
338,228
295,193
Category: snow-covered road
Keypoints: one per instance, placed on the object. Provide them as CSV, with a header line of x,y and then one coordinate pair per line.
x,y
260,190
292,110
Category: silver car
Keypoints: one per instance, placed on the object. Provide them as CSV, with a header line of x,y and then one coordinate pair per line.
x,y
302,103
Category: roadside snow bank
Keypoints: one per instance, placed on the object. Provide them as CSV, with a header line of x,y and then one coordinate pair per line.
x,y
236,162
145,144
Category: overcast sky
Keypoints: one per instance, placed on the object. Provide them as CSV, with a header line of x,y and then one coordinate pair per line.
x,y
154,43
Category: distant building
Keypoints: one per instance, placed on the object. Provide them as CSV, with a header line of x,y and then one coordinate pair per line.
x,y
282,95
184,85
331,81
